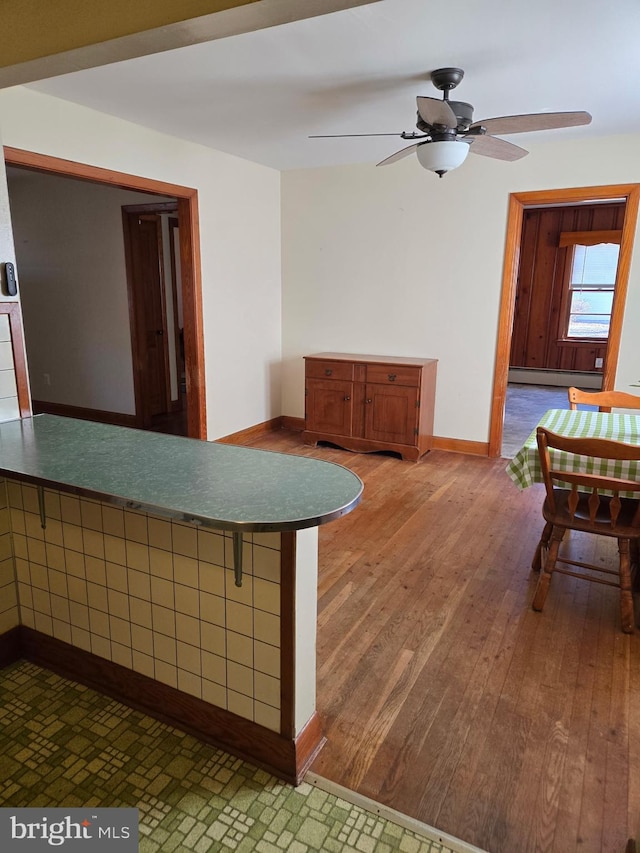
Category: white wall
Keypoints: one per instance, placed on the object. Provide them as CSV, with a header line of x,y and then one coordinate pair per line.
x,y
239,206
69,243
396,261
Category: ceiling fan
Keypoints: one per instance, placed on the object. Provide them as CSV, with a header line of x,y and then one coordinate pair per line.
x,y
448,132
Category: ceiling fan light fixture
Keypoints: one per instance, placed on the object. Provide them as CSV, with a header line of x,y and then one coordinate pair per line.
x,y
442,157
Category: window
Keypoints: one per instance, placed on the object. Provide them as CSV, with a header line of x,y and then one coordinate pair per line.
x,y
591,285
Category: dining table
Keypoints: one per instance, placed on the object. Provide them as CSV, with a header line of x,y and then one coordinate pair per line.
x,y
524,469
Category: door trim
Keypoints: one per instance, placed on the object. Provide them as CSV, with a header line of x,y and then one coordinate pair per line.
x,y
189,259
630,193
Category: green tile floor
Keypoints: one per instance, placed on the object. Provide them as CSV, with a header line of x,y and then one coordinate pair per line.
x,y
62,744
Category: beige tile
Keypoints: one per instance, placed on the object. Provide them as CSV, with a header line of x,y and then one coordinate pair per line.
x,y
79,616
240,618
9,409
80,638
91,514
212,609
6,552
6,356
95,570
143,663
135,527
266,596
7,574
27,617
267,689
213,639
58,583
214,694
41,601
140,612
119,577
188,629
99,623
164,648
115,550
93,543
242,594
139,584
18,524
142,639
159,533
267,628
53,532
72,536
185,570
113,521
162,592
187,600
62,631
266,564
101,646
189,683
30,501
240,648
164,620
23,571
32,526
25,595
43,623
166,673
137,556
161,563
185,540
39,576
74,562
188,658
118,604
267,716
5,328
55,558
52,505
266,659
267,540
20,546
5,521
121,655
239,704
120,631
214,668
211,547
14,493
70,510
97,597
77,589
239,678
212,578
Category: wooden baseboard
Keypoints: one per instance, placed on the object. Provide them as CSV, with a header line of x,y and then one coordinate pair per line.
x,y
295,424
42,407
286,758
249,433
460,445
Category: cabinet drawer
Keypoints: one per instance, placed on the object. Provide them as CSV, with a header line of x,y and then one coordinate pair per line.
x,y
329,369
391,374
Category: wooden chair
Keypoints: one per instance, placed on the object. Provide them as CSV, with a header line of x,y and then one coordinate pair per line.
x,y
583,507
605,400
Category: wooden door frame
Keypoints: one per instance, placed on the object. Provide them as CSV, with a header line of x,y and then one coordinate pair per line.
x,y
630,193
189,259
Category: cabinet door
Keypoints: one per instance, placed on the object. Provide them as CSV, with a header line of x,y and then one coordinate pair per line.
x,y
329,406
391,414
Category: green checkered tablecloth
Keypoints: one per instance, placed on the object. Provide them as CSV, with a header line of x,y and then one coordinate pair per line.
x,y
524,468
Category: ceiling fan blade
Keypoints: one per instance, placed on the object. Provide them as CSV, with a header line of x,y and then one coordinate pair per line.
x,y
433,111
532,121
499,149
343,135
399,155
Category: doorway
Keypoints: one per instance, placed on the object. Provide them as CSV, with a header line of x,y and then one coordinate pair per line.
x,y
188,259
518,202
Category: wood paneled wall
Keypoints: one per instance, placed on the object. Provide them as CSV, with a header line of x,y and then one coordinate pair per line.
x,y
537,324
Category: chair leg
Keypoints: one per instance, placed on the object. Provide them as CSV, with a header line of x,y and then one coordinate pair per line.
x,y
543,544
549,565
626,598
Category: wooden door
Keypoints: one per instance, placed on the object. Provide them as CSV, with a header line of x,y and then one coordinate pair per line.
x,y
391,413
329,406
150,355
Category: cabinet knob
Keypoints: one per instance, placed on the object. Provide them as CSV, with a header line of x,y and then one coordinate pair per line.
x,y
392,377
347,398
369,400
328,371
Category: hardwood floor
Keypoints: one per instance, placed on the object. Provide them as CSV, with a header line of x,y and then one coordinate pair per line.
x,y
443,694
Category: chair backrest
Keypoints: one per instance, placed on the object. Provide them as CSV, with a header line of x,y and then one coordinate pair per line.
x,y
603,399
592,483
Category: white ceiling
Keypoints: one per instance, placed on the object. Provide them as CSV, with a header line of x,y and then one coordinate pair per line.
x,y
260,95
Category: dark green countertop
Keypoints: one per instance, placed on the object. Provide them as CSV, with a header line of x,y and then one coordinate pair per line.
x,y
220,485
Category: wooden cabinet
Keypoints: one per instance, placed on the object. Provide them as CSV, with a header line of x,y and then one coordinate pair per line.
x,y
370,402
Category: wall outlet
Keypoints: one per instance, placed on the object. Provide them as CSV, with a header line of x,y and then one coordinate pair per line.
x,y
598,362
